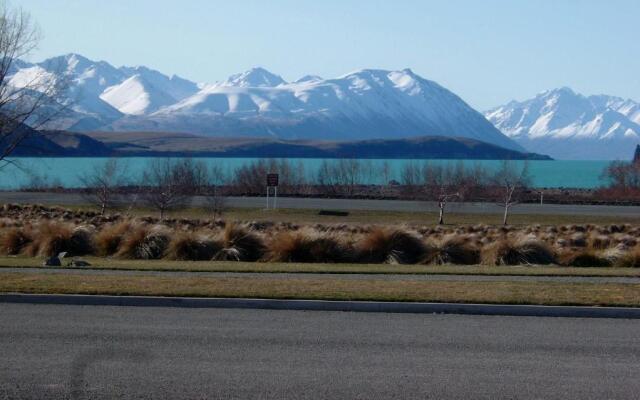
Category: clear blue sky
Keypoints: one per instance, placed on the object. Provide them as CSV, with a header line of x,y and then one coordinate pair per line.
x,y
487,51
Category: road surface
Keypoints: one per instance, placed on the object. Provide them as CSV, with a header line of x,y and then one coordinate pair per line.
x,y
125,352
355,204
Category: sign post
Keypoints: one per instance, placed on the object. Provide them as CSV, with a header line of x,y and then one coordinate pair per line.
x,y
272,182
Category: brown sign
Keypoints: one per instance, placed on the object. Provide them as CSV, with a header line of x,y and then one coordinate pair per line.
x,y
272,180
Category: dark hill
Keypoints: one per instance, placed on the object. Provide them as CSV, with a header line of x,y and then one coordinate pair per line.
x,y
151,144
180,144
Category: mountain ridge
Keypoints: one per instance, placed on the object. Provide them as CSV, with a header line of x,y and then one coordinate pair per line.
x,y
569,125
364,104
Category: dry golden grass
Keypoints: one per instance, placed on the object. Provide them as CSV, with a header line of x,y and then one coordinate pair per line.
x,y
579,245
14,240
519,252
240,244
547,293
457,250
108,239
307,247
392,246
144,242
192,246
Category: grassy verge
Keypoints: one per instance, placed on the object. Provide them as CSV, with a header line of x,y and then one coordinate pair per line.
x,y
329,289
256,267
381,217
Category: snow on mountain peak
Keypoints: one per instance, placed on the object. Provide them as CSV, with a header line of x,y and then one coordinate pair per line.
x,y
136,96
309,78
255,77
569,125
364,104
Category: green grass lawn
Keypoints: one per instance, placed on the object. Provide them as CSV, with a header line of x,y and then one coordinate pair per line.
x,y
231,266
380,217
502,292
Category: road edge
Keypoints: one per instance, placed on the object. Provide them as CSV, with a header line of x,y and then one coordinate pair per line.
x,y
325,305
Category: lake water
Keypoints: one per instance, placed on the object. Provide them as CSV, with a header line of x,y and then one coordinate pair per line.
x,y
66,171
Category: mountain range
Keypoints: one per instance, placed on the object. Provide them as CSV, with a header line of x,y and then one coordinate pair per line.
x,y
366,104
568,125
362,105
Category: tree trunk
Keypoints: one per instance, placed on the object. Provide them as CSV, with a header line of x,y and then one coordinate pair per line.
x,y
441,218
103,207
506,214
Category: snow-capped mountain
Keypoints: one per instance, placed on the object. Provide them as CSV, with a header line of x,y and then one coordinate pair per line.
x,y
99,93
568,125
365,104
136,96
255,77
361,105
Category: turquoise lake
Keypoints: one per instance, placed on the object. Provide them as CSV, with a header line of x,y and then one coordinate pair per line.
x,y
67,171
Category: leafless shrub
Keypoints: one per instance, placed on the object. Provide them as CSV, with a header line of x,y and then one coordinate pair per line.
x,y
511,181
166,185
102,182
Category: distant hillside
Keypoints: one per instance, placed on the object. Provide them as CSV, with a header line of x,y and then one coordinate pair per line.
x,y
427,147
58,144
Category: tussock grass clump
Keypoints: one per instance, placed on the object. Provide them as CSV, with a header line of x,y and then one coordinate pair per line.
x,y
144,242
307,247
454,249
189,246
49,239
599,242
629,259
240,244
107,241
527,251
578,239
53,238
584,259
390,246
14,240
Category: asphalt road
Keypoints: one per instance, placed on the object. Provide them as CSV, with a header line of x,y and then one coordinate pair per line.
x,y
355,204
121,352
343,276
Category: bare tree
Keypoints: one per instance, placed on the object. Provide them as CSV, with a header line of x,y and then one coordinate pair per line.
x,y
443,199
165,185
385,174
342,176
442,184
102,183
26,104
511,180
214,199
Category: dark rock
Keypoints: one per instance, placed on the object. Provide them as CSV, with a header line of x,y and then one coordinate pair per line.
x,y
636,156
52,262
79,263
